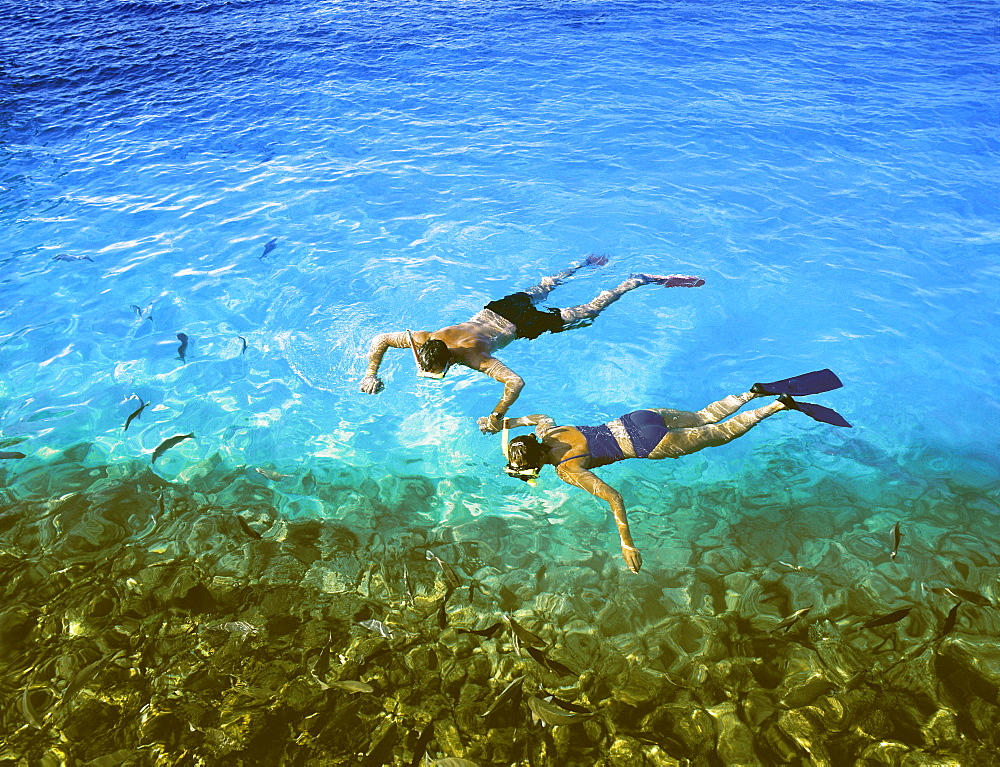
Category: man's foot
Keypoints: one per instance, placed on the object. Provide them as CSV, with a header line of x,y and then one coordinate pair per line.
x,y
595,260
671,280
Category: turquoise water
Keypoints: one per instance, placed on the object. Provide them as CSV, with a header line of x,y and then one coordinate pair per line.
x,y
829,170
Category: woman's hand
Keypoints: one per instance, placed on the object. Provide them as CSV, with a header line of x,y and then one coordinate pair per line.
x,y
632,557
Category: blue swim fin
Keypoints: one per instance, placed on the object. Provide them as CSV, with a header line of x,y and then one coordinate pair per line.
x,y
816,412
816,382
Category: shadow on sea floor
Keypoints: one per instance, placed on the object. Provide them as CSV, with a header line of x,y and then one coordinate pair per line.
x,y
244,617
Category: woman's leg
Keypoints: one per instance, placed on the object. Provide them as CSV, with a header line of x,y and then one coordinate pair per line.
x,y
684,441
713,413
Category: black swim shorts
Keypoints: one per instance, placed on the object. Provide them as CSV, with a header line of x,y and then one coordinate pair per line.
x,y
529,321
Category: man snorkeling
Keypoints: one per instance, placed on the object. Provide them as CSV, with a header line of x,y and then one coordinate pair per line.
x,y
652,433
473,342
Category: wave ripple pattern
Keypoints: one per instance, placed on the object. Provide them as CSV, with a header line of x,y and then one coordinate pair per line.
x,y
215,550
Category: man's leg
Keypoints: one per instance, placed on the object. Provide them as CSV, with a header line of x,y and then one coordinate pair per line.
x,y
585,313
684,441
547,284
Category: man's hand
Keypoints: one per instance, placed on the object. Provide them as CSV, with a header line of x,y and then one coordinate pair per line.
x,y
490,424
371,384
632,557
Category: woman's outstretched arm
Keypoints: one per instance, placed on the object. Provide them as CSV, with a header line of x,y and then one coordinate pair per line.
x,y
572,473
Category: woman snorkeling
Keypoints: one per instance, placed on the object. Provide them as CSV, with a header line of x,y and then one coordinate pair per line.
x,y
652,433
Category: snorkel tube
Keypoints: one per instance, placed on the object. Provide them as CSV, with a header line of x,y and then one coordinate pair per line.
x,y
416,358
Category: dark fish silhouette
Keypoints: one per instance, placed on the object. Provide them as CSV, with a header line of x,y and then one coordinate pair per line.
x,y
136,413
950,621
884,620
245,526
969,596
182,349
66,257
552,714
443,614
244,349
9,455
896,535
486,632
269,247
525,636
169,443
509,692
138,311
552,665
792,619
449,574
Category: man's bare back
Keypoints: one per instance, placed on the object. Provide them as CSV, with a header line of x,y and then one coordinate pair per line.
x,y
472,343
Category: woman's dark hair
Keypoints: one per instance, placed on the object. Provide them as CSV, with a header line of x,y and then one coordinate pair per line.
x,y
525,452
434,354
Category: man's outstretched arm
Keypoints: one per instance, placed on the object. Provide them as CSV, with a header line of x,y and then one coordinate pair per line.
x,y
371,383
512,385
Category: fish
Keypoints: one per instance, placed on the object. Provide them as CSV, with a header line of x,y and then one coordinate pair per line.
x,y
525,636
352,686
244,349
962,594
28,709
241,628
791,566
66,257
271,474
423,740
950,621
182,349
969,596
792,619
169,443
407,587
381,752
554,666
135,414
443,614
245,526
896,535
7,455
449,574
487,632
268,247
508,692
378,627
884,620
81,680
543,711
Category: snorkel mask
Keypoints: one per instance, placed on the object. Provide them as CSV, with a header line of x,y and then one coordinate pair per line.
x,y
527,474
420,368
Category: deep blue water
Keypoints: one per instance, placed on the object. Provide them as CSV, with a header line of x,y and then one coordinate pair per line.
x,y
830,170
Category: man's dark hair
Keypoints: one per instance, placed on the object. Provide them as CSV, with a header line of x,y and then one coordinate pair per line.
x,y
525,452
433,354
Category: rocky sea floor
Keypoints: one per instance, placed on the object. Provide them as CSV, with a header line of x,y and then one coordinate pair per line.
x,y
242,617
